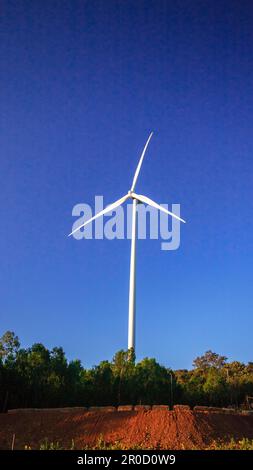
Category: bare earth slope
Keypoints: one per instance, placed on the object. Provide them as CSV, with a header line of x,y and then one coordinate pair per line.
x,y
157,428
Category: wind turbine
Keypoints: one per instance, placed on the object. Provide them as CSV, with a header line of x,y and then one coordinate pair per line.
x,y
137,198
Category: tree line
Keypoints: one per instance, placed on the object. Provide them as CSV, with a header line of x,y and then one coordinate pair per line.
x,y
39,377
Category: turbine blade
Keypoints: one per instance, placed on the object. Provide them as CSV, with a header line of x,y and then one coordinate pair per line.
x,y
104,211
140,163
146,199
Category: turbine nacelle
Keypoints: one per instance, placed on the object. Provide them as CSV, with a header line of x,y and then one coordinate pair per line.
x,y
132,195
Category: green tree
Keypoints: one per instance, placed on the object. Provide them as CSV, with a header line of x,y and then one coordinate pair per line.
x,y
123,367
192,392
215,388
153,382
9,345
103,383
209,359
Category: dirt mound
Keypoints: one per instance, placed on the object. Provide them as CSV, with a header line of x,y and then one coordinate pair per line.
x,y
156,428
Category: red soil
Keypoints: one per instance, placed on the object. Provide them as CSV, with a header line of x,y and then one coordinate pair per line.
x,y
158,428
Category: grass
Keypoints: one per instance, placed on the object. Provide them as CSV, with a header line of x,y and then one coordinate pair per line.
x,y
243,444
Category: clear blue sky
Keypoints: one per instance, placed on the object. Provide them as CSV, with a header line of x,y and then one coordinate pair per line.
x,y
82,84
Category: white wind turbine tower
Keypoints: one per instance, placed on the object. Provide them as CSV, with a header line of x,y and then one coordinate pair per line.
x,y
137,198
